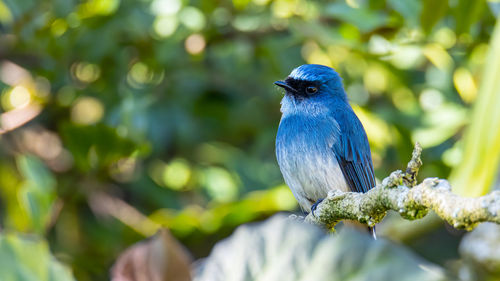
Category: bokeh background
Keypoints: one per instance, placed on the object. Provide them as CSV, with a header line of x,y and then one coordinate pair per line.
x,y
121,116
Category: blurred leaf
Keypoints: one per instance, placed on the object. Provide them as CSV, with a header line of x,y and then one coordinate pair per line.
x,y
479,249
220,184
161,257
254,205
19,7
95,146
37,193
441,124
5,14
281,249
409,9
34,171
494,7
100,7
362,18
432,12
27,258
468,13
479,167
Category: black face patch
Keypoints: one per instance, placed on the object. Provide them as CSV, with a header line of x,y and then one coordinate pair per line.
x,y
301,86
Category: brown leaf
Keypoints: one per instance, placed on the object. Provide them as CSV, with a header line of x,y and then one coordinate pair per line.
x,y
159,258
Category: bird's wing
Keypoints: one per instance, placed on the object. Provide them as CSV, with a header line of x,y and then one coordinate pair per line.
x,y
353,152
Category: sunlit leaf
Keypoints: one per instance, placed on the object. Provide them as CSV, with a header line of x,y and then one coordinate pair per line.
x,y
440,124
28,258
5,14
479,167
37,194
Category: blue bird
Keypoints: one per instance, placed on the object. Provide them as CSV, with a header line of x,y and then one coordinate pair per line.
x,y
321,145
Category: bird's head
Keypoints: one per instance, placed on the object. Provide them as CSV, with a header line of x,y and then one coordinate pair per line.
x,y
312,90
310,85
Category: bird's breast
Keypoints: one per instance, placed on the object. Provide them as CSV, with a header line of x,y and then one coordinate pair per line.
x,y
306,158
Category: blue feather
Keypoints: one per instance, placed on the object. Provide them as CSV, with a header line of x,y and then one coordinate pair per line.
x,y
353,153
321,145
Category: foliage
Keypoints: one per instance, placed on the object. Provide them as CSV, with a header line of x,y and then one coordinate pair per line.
x,y
119,116
482,144
28,259
280,249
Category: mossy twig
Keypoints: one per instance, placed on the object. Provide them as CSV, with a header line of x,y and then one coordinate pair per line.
x,y
401,193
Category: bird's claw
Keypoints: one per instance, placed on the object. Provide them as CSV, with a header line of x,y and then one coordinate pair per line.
x,y
315,205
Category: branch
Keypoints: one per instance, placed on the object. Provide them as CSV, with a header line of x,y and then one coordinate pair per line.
x,y
400,192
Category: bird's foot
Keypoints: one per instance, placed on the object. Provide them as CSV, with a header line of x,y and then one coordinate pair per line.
x,y
315,205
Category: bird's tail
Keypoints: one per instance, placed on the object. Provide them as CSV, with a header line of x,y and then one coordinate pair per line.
x,y
372,232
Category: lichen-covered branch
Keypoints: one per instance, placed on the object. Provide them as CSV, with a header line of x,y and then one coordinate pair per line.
x,y
400,192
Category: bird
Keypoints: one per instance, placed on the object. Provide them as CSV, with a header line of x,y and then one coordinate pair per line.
x,y
321,144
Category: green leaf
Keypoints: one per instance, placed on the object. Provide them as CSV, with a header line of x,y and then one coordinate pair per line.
x,y
432,12
409,9
467,13
19,7
281,249
364,19
95,146
494,7
35,172
28,258
478,169
440,125
37,193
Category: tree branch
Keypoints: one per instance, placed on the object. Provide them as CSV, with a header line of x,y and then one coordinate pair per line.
x,y
400,192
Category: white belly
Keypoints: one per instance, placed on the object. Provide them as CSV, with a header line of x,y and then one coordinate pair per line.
x,y
309,167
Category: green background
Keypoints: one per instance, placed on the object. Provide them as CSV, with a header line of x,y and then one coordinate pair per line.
x,y
119,117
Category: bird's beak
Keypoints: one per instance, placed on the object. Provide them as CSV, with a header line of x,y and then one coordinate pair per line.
x,y
285,86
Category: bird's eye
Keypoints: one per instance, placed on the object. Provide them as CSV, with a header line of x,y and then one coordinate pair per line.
x,y
311,90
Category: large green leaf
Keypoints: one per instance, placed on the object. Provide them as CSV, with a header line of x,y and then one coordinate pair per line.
x,y
27,258
281,249
479,166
